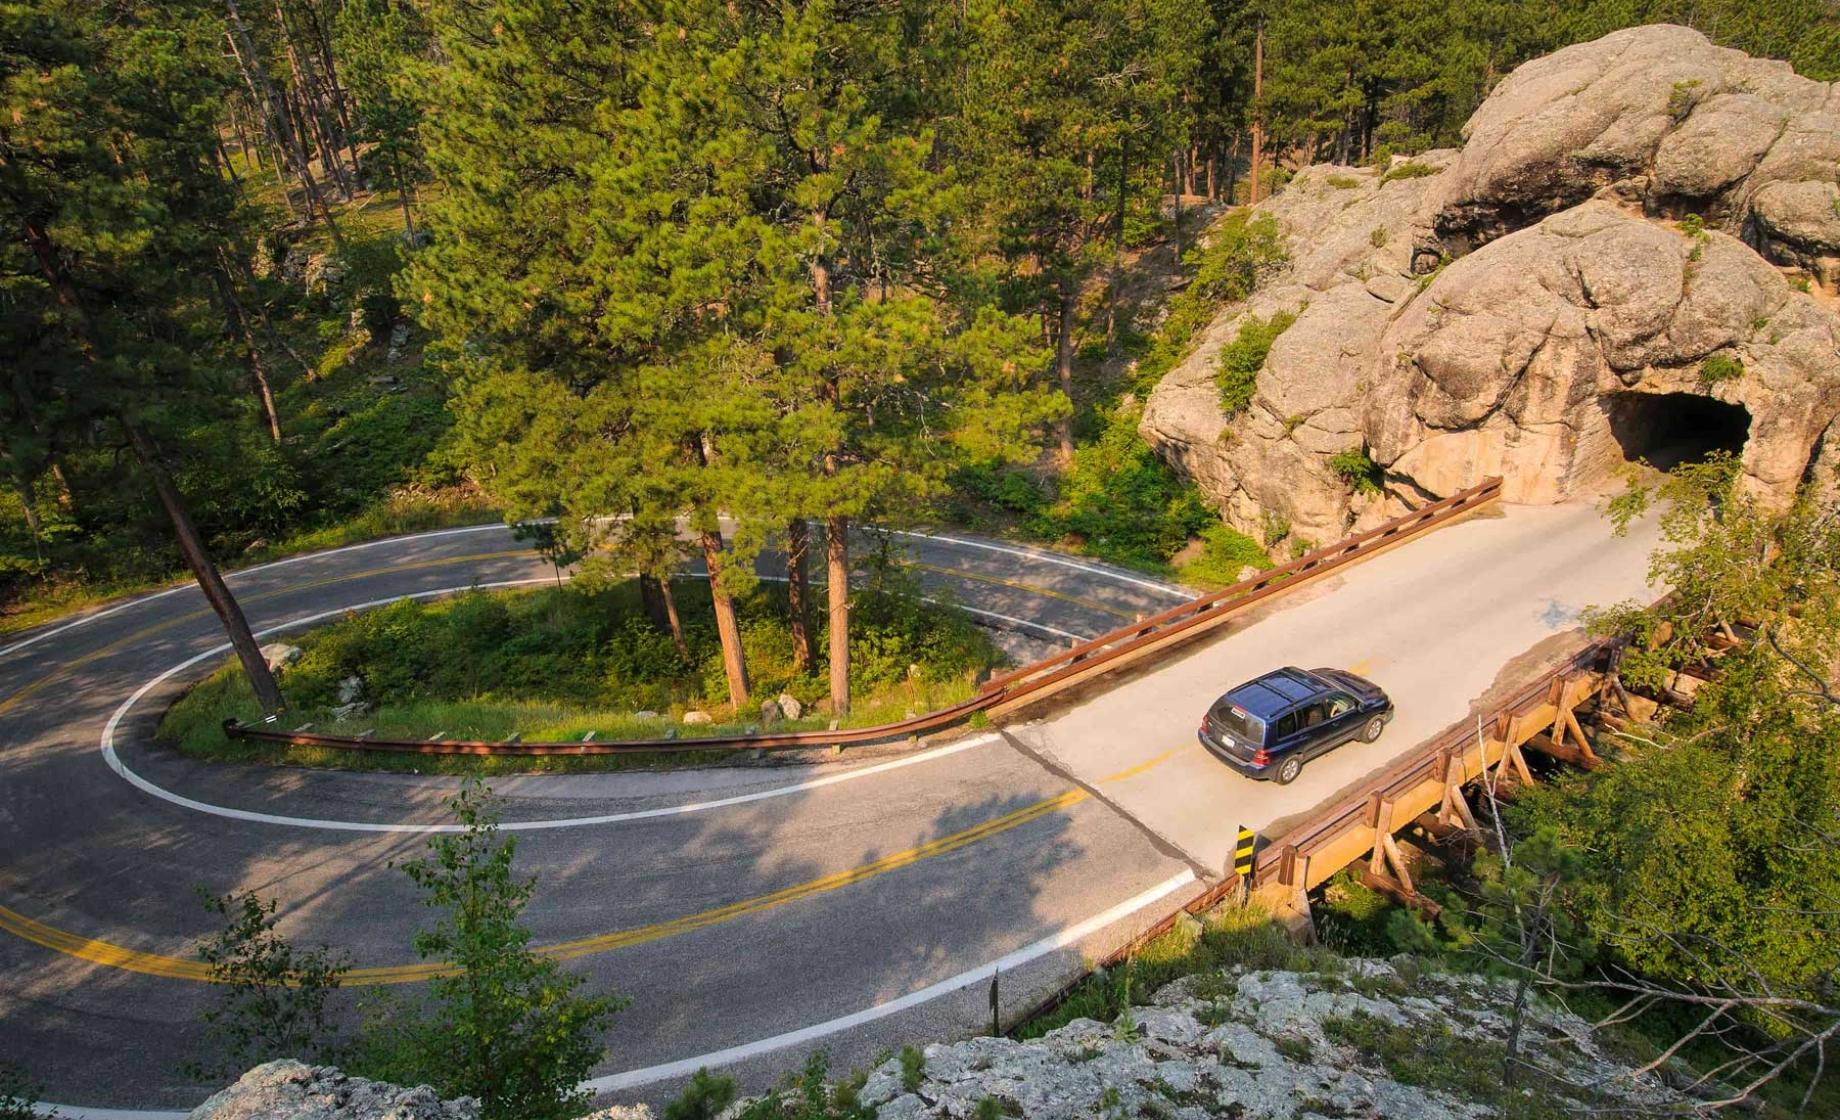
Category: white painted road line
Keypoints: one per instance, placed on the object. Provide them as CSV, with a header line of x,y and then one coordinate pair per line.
x,y
683,1067
141,783
238,574
1052,558
1069,936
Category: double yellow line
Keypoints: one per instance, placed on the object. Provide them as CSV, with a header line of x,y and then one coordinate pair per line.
x,y
120,957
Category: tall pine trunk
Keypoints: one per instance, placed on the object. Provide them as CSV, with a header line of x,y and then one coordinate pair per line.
x,y
734,661
837,572
798,592
238,325
672,620
191,545
1063,365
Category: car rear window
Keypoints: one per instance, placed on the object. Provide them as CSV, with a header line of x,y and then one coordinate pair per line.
x,y
1239,722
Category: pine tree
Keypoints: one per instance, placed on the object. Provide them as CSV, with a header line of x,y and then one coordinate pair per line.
x,y
116,217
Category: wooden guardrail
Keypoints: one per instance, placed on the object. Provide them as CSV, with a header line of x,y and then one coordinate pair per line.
x,y
1002,694
1425,787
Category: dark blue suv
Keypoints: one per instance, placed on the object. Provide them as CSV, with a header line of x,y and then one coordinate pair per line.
x,y
1270,726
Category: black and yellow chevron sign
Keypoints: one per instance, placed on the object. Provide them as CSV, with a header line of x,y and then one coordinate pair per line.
x,y
1242,852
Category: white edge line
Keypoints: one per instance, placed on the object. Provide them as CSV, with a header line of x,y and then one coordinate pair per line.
x,y
1051,558
731,1055
148,787
717,1058
237,574
84,620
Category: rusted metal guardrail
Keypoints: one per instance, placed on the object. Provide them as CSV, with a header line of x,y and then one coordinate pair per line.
x,y
1031,683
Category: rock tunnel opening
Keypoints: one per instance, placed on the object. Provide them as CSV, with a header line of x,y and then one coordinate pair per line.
x,y
1668,429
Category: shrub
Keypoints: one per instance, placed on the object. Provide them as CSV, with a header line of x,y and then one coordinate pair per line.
x,y
1343,182
913,1068
1377,237
507,1026
1410,169
1358,470
1121,501
272,1001
1224,551
1692,225
1720,367
1682,98
19,1096
706,1097
1237,371
1239,256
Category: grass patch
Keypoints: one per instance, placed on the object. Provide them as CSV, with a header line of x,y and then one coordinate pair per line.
x,y
1718,368
1410,169
557,664
1245,937
1426,1054
1224,551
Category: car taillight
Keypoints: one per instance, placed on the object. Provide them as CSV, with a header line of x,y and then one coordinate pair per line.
x,y
1262,757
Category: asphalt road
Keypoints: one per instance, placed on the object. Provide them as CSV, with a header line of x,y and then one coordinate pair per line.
x,y
749,914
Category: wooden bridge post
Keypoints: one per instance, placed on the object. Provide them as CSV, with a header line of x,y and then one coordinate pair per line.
x,y
1294,911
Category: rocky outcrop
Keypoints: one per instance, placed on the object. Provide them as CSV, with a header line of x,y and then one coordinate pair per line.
x,y
289,1090
1626,260
1549,355
1271,1045
1348,235
1659,117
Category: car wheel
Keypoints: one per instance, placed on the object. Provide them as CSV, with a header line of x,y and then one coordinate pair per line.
x,y
1288,772
1373,729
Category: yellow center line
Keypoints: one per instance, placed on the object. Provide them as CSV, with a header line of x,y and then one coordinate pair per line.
x,y
1089,604
180,968
125,959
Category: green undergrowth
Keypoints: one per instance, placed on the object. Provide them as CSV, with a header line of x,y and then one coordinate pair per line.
x,y
559,663
1117,501
1247,937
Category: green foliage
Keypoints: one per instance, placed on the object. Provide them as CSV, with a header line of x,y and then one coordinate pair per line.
x,y
1682,98
1409,169
1343,182
1241,360
913,1068
1241,254
557,662
1720,367
504,1024
1224,551
810,1095
1358,469
19,1096
271,996
706,1097
1692,225
1120,502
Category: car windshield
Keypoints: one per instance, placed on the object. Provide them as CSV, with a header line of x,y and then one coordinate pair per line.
x,y
1240,722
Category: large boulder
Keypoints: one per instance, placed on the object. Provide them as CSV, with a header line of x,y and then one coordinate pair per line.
x,y
1613,266
1664,119
290,1090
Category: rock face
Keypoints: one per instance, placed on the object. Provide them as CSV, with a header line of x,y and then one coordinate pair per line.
x,y
1631,257
1265,1046
1660,117
289,1090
